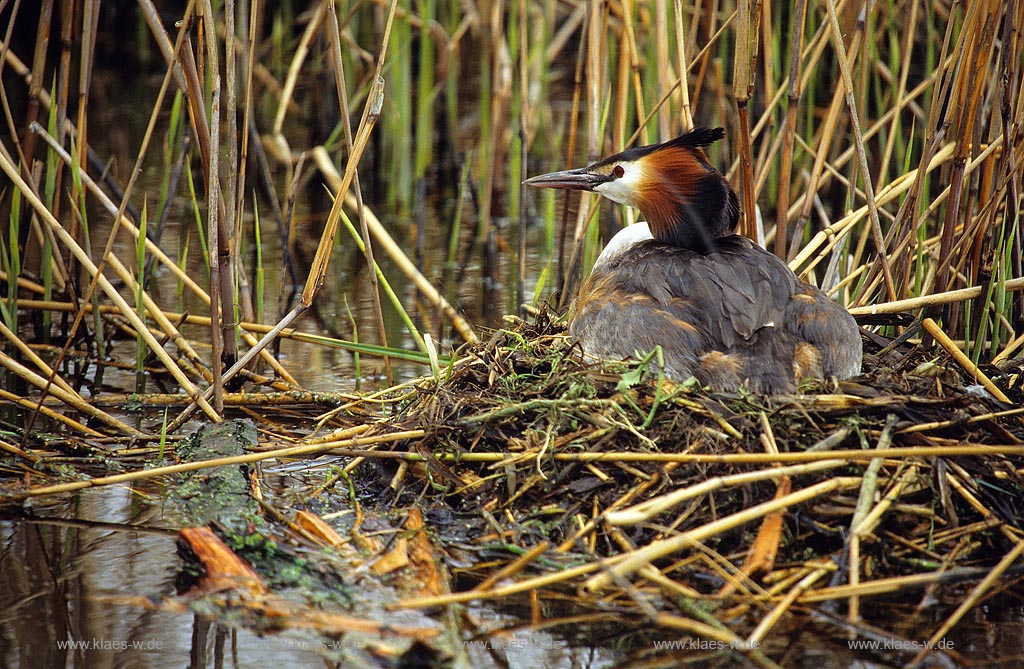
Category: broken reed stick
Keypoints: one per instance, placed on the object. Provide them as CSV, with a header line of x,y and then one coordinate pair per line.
x,y
849,455
260,398
648,509
288,452
626,564
943,339
884,586
947,297
868,489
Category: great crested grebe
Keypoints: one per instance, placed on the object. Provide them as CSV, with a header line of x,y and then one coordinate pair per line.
x,y
723,309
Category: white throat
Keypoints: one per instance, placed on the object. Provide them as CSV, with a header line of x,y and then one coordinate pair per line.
x,y
622,240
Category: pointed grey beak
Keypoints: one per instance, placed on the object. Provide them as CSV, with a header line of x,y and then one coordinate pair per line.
x,y
578,179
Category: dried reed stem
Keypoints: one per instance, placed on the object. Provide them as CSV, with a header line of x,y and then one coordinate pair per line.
x,y
625,564
287,452
943,339
650,508
126,310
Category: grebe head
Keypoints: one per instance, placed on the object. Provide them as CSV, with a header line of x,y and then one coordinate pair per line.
x,y
685,200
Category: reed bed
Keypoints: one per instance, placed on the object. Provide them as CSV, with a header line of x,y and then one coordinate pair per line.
x,y
661,507
875,146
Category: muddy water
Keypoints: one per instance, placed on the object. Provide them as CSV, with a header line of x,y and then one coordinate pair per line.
x,y
80,579
76,577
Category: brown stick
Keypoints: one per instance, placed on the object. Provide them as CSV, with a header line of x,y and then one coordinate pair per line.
x,y
943,339
288,452
748,30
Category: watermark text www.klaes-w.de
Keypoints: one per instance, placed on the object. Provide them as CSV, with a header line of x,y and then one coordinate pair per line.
x,y
512,643
110,644
702,644
899,644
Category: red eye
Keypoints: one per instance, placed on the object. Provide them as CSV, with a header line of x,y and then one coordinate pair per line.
x,y
617,171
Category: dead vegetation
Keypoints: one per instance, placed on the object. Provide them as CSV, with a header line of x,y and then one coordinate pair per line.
x,y
660,506
900,484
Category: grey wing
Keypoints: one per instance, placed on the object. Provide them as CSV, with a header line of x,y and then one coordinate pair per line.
x,y
708,312
827,326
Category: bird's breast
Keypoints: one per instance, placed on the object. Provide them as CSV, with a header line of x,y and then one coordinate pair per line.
x,y
621,242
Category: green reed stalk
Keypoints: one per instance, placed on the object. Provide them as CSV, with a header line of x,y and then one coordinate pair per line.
x,y
397,125
356,356
163,436
424,119
396,302
183,266
197,216
54,167
172,139
83,214
260,271
517,151
279,43
12,262
547,215
454,68
461,198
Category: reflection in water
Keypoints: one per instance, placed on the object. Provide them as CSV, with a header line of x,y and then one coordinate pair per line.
x,y
64,595
77,577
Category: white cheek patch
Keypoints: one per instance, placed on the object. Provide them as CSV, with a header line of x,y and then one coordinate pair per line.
x,y
624,189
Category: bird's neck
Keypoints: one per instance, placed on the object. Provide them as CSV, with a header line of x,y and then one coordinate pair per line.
x,y
693,217
687,230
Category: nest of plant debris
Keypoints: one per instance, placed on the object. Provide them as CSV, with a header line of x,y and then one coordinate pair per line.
x,y
902,478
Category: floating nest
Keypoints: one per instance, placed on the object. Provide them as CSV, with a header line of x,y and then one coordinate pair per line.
x,y
628,490
652,511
